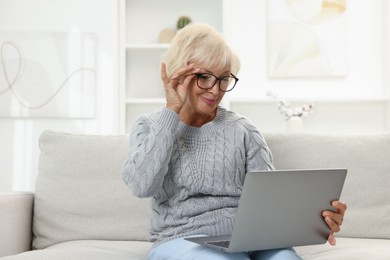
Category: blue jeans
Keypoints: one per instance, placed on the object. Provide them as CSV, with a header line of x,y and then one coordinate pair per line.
x,y
180,249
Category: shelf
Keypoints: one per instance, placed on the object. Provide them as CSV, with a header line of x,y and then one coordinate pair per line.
x,y
309,99
141,53
151,46
145,101
144,19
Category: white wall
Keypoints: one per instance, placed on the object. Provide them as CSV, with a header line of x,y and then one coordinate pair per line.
x,y
19,137
356,103
365,32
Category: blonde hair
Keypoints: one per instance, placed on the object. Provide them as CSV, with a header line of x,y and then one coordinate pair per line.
x,y
200,43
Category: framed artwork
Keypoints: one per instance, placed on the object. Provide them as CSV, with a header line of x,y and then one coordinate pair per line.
x,y
306,38
48,74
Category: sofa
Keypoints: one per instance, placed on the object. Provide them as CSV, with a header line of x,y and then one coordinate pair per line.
x,y
81,208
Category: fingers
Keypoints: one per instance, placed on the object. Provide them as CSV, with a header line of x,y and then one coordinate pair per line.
x,y
179,76
331,239
164,73
176,85
335,219
339,206
184,75
338,215
188,78
333,227
333,223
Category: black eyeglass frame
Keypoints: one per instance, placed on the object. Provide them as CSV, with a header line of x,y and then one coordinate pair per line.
x,y
217,79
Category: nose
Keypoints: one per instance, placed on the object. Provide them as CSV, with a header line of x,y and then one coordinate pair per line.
x,y
215,89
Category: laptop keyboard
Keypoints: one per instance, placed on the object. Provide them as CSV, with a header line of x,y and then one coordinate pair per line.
x,y
223,243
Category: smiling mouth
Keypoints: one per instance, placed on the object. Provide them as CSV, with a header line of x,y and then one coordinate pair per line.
x,y
209,101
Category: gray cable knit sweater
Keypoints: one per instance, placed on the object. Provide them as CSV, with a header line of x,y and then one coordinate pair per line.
x,y
194,175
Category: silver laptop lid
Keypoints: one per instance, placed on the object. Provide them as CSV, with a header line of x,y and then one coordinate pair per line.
x,y
283,208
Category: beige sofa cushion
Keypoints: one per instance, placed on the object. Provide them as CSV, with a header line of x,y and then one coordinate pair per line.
x,y
89,250
347,249
366,189
15,222
80,194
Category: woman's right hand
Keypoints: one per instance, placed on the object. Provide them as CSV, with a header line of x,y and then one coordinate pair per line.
x,y
176,87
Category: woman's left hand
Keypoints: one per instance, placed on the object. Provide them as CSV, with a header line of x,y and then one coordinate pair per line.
x,y
334,219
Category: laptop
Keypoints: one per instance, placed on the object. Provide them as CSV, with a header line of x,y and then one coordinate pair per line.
x,y
281,208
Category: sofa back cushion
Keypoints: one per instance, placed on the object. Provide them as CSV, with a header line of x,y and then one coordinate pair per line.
x,y
366,188
80,193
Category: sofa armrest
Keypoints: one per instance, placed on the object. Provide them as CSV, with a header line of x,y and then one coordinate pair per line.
x,y
16,212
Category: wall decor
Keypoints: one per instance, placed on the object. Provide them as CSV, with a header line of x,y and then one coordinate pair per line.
x,y
294,115
48,74
306,38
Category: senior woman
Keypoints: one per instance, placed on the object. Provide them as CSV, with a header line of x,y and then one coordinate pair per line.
x,y
191,156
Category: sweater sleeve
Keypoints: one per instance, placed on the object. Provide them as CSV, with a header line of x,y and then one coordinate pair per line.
x,y
258,154
150,148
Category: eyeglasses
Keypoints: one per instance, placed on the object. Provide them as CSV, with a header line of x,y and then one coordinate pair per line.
x,y
207,81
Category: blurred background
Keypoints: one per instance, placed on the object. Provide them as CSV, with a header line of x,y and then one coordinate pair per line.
x,y
92,66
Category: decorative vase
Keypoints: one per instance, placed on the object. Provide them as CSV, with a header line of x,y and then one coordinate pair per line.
x,y
295,124
166,35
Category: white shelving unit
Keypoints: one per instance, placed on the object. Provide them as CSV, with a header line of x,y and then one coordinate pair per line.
x,y
336,111
141,21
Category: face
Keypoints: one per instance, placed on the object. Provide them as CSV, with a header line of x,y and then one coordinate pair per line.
x,y
201,105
